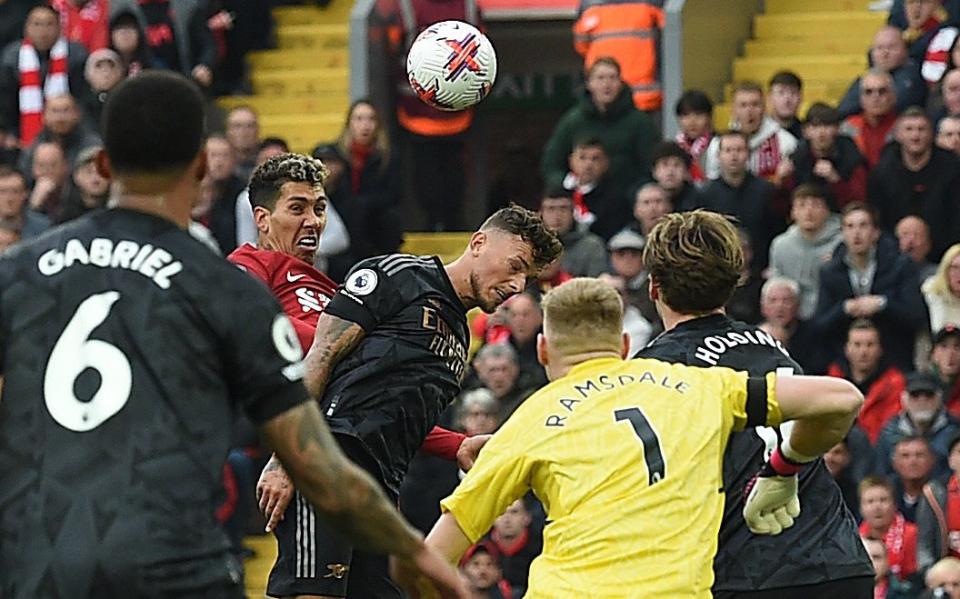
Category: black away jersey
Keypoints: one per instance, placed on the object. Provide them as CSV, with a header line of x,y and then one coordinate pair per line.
x,y
390,390
127,349
824,543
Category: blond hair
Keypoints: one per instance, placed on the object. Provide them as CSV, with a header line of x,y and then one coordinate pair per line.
x,y
583,315
942,568
939,284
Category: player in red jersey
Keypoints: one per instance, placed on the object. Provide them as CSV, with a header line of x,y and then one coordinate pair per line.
x,y
290,211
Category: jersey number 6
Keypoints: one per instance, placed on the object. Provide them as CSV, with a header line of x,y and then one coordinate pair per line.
x,y
652,454
75,352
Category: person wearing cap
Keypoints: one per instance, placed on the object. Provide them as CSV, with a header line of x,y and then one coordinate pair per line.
x,y
942,290
945,364
584,254
628,276
829,159
800,251
922,414
90,189
480,567
103,71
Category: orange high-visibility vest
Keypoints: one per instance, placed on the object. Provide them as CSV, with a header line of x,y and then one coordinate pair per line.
x,y
628,33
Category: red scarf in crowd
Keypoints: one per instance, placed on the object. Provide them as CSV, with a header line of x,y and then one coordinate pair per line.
x,y
953,516
88,24
901,543
359,155
33,90
695,148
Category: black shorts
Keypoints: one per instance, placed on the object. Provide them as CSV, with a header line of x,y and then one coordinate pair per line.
x,y
315,559
860,587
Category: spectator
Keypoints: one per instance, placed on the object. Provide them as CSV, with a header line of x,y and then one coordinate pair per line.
x,y
829,159
745,303
243,133
370,186
694,112
882,385
41,65
626,267
584,254
886,585
607,113
948,102
128,40
948,133
807,244
498,369
518,543
480,567
50,172
913,236
14,209
945,365
919,497
13,14
779,306
671,171
90,189
651,204
525,323
478,413
888,54
597,206
943,579
176,34
786,95
767,143
628,33
942,291
739,192
914,177
882,521
334,256
10,234
85,22
923,415
923,19
837,462
872,128
868,278
62,124
953,498
103,72
638,329
221,218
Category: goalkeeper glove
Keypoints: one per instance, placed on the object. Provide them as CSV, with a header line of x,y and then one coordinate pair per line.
x,y
771,496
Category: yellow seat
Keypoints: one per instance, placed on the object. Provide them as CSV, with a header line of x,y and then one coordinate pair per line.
x,y
266,105
300,59
860,25
813,46
311,15
301,82
304,37
842,68
800,6
448,246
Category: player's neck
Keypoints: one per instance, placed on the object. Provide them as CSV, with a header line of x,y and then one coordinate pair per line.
x,y
671,318
559,367
168,204
459,275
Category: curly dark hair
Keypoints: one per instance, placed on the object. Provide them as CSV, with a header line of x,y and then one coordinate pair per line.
x,y
517,220
695,259
269,177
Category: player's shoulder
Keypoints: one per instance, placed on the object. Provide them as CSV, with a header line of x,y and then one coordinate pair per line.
x,y
391,269
248,255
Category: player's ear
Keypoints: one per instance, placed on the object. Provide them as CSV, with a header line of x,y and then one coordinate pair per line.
x,y
102,163
477,240
199,166
652,290
261,217
542,350
625,345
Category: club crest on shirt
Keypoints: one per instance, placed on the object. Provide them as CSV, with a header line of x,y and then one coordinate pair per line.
x,y
362,282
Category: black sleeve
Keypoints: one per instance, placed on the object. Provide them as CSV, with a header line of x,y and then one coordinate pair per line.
x,y
373,291
756,407
262,353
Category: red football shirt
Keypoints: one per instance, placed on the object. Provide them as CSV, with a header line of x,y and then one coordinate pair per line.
x,y
303,290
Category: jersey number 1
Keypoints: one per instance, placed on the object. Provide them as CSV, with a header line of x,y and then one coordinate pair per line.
x,y
74,353
652,454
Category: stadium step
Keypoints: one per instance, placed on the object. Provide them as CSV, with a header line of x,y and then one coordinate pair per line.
x,y
301,82
285,105
816,68
311,37
778,7
311,15
818,24
448,246
299,59
809,47
303,132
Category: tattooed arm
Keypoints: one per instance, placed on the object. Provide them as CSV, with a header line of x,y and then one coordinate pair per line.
x,y
347,497
335,337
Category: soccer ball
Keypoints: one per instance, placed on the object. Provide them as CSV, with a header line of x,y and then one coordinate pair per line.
x,y
451,65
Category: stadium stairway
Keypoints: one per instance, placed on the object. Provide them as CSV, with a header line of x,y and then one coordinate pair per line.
x,y
824,41
301,88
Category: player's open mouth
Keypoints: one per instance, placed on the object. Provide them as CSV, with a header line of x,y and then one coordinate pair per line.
x,y
309,242
503,296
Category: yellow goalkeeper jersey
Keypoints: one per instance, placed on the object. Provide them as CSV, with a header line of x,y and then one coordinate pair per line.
x,y
626,457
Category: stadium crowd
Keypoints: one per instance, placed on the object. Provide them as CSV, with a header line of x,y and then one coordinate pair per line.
x,y
849,216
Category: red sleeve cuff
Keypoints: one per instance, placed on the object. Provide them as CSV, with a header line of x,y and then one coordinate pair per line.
x,y
443,443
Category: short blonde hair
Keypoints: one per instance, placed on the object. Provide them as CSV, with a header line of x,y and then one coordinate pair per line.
x,y
583,315
940,569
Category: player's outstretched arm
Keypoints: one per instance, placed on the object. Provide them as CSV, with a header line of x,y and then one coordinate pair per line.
x,y
348,498
334,338
822,410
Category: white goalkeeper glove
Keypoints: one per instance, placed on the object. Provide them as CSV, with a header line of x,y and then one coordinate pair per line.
x,y
772,502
